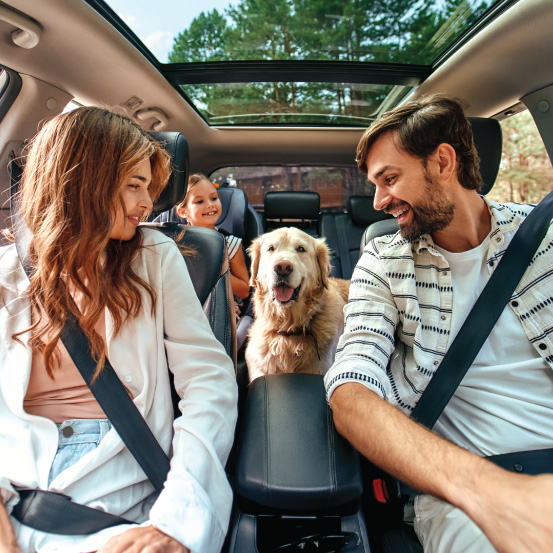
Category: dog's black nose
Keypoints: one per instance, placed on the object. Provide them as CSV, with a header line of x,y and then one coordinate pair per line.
x,y
284,268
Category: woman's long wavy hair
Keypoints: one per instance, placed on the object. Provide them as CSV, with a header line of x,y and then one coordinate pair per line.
x,y
71,188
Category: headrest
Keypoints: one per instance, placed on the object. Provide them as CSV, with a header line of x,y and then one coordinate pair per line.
x,y
488,140
292,205
233,211
175,191
362,212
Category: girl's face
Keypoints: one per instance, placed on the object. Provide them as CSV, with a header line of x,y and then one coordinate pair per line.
x,y
136,198
203,206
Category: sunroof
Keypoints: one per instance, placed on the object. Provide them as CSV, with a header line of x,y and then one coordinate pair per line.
x,y
389,31
361,34
291,103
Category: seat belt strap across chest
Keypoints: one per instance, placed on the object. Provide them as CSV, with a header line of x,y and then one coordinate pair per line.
x,y
112,398
484,314
476,329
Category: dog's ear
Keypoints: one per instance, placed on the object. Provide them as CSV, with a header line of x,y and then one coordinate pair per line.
x,y
323,259
254,251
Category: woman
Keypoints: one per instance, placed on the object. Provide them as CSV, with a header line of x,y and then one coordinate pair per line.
x,y
90,177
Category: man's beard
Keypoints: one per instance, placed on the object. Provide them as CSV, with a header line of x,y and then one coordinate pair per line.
x,y
433,213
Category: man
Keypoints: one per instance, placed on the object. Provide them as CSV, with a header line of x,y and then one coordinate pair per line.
x,y
409,295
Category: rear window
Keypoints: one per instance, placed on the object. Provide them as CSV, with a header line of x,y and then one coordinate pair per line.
x,y
334,184
525,174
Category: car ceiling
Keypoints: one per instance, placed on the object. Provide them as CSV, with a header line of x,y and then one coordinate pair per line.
x,y
80,54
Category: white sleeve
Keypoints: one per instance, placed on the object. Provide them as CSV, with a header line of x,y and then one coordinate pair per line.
x,y
195,504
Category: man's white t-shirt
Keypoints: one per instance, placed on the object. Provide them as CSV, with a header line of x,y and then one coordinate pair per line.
x,y
505,401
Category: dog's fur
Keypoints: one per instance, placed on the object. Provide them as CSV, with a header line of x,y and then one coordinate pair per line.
x,y
282,261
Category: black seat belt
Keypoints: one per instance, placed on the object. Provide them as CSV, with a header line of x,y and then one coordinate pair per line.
x,y
345,260
480,322
56,513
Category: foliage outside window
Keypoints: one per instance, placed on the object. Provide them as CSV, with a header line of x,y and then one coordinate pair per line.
x,y
526,174
382,31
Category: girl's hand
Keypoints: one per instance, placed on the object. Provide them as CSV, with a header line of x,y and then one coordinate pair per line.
x,y
146,539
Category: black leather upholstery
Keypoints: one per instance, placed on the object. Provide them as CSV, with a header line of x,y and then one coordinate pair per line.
x,y
209,268
362,212
238,217
291,456
174,192
343,232
291,208
292,205
488,139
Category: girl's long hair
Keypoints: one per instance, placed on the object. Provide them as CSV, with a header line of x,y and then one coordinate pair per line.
x,y
70,196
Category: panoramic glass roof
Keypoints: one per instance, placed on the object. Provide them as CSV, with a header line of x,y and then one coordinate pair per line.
x,y
326,62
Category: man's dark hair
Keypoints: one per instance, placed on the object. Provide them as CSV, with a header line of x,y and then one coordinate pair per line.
x,y
421,126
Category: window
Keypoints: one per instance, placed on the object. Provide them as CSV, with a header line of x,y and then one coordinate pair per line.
x,y
334,184
525,174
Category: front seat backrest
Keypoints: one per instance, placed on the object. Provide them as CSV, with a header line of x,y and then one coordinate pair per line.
x,y
209,267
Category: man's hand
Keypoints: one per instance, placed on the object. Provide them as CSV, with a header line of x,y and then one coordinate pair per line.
x,y
147,539
516,513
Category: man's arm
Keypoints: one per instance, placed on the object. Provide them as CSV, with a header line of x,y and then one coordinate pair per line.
x,y
514,511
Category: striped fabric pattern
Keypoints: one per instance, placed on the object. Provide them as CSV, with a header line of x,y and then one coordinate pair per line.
x,y
398,318
233,244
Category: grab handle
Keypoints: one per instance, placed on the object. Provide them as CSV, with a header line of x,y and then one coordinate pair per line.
x,y
27,34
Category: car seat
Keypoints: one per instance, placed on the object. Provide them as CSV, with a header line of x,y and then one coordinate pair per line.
x,y
209,267
343,232
292,209
238,216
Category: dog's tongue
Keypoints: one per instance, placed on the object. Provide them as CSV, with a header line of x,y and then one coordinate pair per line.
x,y
283,292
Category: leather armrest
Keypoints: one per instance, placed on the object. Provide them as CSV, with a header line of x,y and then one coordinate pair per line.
x,y
290,455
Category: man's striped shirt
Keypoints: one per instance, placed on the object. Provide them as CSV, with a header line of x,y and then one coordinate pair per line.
x,y
398,318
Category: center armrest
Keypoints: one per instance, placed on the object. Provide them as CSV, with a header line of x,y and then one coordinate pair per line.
x,y
290,455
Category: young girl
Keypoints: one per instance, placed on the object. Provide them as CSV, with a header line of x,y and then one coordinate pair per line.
x,y
90,178
202,208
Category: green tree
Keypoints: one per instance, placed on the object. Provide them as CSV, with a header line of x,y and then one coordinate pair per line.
x,y
389,31
525,174
204,40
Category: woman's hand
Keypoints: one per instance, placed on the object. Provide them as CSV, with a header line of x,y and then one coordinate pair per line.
x,y
147,539
8,543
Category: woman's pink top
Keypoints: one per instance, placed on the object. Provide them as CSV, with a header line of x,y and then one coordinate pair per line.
x,y
67,397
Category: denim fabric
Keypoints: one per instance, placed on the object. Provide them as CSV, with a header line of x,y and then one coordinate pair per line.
x,y
87,434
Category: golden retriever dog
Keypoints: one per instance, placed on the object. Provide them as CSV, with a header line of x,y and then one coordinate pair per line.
x,y
298,308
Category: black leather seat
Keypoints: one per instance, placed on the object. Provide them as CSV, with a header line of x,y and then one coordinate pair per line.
x,y
343,232
209,268
488,139
292,209
238,216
